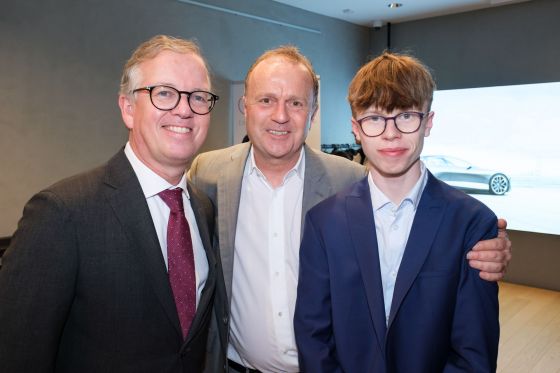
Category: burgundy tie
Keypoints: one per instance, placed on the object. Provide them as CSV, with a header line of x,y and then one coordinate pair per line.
x,y
180,259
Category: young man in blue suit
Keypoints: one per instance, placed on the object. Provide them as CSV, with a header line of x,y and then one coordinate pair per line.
x,y
384,284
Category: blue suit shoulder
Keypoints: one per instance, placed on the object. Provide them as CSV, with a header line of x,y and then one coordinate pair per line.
x,y
456,198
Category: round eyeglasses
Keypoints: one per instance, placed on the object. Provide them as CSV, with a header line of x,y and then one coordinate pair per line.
x,y
406,122
167,98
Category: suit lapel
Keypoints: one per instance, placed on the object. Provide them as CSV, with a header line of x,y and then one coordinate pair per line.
x,y
424,228
314,191
229,194
364,241
125,196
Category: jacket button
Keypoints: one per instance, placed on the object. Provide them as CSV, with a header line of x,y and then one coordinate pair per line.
x,y
225,320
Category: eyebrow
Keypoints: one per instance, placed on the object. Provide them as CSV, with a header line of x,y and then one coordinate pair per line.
x,y
175,86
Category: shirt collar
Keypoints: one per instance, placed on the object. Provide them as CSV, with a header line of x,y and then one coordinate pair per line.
x,y
150,182
298,169
379,199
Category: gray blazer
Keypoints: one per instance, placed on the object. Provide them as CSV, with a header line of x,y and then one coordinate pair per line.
x,y
84,288
219,174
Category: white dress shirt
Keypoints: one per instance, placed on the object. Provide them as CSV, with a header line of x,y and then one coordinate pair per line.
x,y
152,184
265,270
392,226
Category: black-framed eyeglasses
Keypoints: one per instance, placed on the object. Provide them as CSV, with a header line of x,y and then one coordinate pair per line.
x,y
167,98
405,122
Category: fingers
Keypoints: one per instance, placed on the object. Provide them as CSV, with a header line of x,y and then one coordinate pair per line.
x,y
502,223
502,233
495,244
492,276
492,256
489,271
489,267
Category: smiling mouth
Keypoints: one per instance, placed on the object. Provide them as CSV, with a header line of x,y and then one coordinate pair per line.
x,y
393,152
178,129
278,133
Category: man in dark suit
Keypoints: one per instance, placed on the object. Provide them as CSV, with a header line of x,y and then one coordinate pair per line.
x,y
113,269
384,284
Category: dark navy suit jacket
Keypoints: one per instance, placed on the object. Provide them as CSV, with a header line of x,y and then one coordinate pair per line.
x,y
443,317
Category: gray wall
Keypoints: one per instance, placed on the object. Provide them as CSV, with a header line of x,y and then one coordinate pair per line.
x,y
62,60
513,44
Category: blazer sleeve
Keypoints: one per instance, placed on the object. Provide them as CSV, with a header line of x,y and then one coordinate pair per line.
x,y
475,331
37,286
312,316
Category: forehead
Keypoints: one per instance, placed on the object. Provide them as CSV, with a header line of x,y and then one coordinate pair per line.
x,y
280,72
175,68
374,109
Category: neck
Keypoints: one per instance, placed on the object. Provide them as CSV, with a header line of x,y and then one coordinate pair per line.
x,y
171,174
173,178
396,187
275,169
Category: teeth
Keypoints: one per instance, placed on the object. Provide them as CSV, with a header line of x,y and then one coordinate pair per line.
x,y
278,132
178,129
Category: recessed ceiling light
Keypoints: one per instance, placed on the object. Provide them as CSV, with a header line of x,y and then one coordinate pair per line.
x,y
394,5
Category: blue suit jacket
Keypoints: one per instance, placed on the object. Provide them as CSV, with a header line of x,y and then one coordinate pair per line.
x,y
443,318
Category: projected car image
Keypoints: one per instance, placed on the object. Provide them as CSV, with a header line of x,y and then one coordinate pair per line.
x,y
463,175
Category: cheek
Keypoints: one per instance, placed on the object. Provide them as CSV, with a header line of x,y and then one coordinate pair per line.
x,y
149,119
203,125
304,122
417,145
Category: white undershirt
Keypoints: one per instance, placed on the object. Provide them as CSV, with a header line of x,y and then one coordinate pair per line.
x,y
392,226
152,184
265,270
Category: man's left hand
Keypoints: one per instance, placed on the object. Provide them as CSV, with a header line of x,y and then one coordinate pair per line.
x,y
492,257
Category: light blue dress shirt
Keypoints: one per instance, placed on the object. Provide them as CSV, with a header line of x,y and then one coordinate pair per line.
x,y
392,226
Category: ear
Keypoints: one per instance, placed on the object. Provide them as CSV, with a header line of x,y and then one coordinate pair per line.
x,y
126,104
429,124
356,131
311,117
243,104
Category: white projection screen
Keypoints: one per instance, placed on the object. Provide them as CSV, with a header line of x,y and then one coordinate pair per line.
x,y
502,146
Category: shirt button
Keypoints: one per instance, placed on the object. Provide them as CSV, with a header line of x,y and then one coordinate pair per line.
x,y
280,314
395,227
274,234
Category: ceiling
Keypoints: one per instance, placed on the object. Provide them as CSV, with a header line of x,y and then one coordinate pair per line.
x,y
365,12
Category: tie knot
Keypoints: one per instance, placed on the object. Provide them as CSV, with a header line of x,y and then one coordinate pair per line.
x,y
173,198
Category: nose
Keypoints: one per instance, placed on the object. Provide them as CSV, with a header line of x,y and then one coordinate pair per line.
x,y
183,108
391,131
280,113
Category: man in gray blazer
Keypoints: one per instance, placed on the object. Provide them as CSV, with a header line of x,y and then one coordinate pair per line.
x,y
261,190
87,282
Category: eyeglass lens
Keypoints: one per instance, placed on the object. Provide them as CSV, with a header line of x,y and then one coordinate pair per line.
x,y
167,98
406,122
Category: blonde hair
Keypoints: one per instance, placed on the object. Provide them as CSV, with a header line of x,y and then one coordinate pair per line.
x,y
391,81
291,53
150,49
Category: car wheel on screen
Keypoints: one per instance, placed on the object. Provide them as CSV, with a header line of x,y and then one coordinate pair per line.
x,y
499,184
